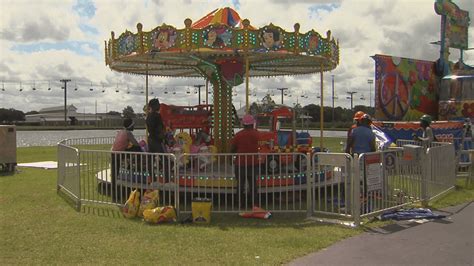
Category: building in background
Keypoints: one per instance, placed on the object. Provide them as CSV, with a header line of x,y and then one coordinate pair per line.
x,y
54,116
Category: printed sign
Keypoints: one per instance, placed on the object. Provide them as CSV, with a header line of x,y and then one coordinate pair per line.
x,y
373,172
389,160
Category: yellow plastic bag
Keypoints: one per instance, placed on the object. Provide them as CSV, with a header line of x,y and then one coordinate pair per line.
x,y
160,215
132,205
149,201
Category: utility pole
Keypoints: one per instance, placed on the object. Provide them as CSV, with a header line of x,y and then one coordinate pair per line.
x,y
370,81
351,97
332,76
282,91
199,92
65,81
96,113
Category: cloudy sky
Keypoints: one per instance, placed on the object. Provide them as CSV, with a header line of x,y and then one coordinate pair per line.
x,y
44,41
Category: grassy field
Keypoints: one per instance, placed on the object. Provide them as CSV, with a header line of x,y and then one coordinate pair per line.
x,y
39,227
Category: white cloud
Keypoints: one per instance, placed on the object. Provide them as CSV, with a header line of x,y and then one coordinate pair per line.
x,y
363,28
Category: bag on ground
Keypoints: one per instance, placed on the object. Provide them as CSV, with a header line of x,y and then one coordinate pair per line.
x,y
132,205
150,200
160,215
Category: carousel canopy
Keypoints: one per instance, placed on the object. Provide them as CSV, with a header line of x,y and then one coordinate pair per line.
x,y
225,16
221,35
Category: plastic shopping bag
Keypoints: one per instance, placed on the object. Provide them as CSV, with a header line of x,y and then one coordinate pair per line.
x,y
149,201
132,205
160,215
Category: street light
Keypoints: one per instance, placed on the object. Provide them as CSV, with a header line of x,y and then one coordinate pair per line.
x,y
351,93
65,81
370,81
332,76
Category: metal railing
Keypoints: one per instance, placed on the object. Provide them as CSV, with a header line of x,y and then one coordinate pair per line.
x,y
440,170
389,179
320,184
332,184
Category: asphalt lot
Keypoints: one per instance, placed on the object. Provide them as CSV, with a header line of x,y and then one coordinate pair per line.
x,y
447,241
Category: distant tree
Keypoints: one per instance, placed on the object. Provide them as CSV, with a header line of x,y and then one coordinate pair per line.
x,y
32,113
312,110
10,115
298,109
255,108
128,112
113,113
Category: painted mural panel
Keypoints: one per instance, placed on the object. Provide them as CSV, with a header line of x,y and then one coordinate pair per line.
x,y
405,89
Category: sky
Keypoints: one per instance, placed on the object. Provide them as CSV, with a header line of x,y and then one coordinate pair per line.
x,y
44,41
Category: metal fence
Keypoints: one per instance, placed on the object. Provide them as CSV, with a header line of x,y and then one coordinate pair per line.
x,y
389,179
234,183
332,184
441,170
320,184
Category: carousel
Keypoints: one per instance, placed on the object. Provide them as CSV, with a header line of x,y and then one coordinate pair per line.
x,y
226,51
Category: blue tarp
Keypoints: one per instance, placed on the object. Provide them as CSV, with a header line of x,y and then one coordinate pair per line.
x,y
415,213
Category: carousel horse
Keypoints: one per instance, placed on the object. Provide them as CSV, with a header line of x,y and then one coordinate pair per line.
x,y
206,153
184,145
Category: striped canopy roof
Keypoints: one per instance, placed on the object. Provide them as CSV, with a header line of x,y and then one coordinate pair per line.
x,y
226,16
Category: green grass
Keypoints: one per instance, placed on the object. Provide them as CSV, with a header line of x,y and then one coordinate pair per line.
x,y
333,144
39,227
461,194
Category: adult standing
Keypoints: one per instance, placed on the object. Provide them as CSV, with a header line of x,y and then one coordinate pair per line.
x,y
124,141
156,137
427,132
357,116
155,127
362,139
246,165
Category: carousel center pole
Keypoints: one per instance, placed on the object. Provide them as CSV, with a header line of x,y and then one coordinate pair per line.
x,y
247,105
321,130
146,85
207,92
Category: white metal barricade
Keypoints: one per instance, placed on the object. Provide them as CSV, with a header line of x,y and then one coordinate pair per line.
x,y
321,184
389,179
238,182
332,184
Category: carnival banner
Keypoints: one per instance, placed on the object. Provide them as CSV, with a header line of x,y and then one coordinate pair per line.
x,y
405,89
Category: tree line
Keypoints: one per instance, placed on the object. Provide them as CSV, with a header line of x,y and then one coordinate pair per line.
x,y
9,116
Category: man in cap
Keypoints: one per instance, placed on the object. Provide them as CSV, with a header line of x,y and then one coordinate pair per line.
x,y
357,116
427,132
362,138
155,127
246,165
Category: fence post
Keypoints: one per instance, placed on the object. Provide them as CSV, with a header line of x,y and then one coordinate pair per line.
x,y
61,167
425,176
78,174
176,181
356,190
309,186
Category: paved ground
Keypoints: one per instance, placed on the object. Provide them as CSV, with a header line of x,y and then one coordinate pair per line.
x,y
447,241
